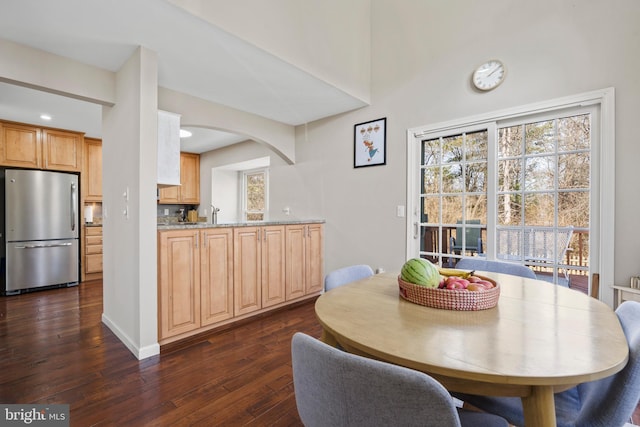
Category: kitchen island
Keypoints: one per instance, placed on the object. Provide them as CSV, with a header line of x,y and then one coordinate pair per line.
x,y
210,275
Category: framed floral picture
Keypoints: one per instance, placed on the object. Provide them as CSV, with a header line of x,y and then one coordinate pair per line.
x,y
370,143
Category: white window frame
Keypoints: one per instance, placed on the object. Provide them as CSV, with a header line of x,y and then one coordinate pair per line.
x,y
604,210
243,195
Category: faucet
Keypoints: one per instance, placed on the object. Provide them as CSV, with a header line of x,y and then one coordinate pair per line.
x,y
214,214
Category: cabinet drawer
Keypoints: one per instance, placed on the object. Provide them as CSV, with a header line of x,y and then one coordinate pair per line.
x,y
93,231
93,249
93,264
94,240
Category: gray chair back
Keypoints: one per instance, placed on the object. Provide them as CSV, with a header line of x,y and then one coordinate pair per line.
x,y
335,388
346,275
607,402
496,267
611,401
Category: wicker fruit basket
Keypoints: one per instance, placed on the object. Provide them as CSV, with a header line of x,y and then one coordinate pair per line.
x,y
450,299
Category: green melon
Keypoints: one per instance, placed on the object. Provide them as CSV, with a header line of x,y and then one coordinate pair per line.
x,y
420,272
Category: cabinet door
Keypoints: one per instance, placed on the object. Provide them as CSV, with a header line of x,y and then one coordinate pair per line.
x,y
273,265
190,178
246,270
62,150
295,261
179,282
216,275
169,195
315,258
20,146
92,172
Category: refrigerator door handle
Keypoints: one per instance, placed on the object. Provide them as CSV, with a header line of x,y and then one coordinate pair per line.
x,y
55,245
74,206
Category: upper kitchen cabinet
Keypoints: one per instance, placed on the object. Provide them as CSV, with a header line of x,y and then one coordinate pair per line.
x,y
92,173
33,147
188,192
168,148
190,178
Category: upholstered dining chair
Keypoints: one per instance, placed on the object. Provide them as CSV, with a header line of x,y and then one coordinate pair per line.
x,y
335,388
346,275
606,402
496,267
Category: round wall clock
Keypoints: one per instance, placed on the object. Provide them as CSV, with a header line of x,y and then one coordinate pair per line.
x,y
489,75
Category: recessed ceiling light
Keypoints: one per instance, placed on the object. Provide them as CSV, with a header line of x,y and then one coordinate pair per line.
x,y
185,133
45,117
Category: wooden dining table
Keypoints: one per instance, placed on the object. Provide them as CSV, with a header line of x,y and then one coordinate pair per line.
x,y
539,339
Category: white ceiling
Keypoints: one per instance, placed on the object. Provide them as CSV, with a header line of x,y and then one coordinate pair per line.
x,y
194,57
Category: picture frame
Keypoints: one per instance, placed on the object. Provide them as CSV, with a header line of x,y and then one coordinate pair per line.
x,y
370,143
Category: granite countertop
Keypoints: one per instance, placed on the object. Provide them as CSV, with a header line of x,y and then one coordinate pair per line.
x,y
93,224
187,225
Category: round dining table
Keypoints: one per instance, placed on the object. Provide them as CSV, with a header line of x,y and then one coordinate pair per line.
x,y
539,339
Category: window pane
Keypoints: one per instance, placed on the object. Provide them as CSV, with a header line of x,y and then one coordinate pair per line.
x,y
510,209
452,178
573,170
431,180
452,149
430,209
255,192
431,152
255,216
510,141
451,209
476,177
540,137
574,133
476,146
573,208
539,209
476,208
540,173
509,176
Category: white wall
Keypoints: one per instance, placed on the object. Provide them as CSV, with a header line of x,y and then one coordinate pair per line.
x,y
129,239
423,54
226,185
328,38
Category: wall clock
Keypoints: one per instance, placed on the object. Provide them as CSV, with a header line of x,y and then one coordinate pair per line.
x,y
489,75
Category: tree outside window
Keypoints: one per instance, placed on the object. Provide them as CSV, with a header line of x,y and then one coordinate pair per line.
x,y
255,195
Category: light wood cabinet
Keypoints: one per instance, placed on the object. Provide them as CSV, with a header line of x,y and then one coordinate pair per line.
x,y
179,282
212,276
259,267
20,145
272,265
33,147
216,275
62,150
190,178
304,260
92,253
92,172
246,269
189,190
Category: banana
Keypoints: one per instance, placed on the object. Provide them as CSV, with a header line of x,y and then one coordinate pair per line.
x,y
455,272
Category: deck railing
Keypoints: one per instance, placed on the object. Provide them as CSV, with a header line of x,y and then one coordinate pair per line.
x,y
577,256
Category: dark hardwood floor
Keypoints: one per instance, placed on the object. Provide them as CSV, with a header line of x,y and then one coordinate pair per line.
x,y
54,349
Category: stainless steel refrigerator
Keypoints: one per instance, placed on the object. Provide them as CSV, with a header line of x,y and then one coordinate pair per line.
x,y
40,230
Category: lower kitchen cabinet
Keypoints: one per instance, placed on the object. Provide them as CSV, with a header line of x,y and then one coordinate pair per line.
x,y
259,267
212,276
216,275
304,260
179,282
92,253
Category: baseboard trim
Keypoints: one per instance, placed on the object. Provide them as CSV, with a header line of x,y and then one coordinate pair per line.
x,y
139,352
